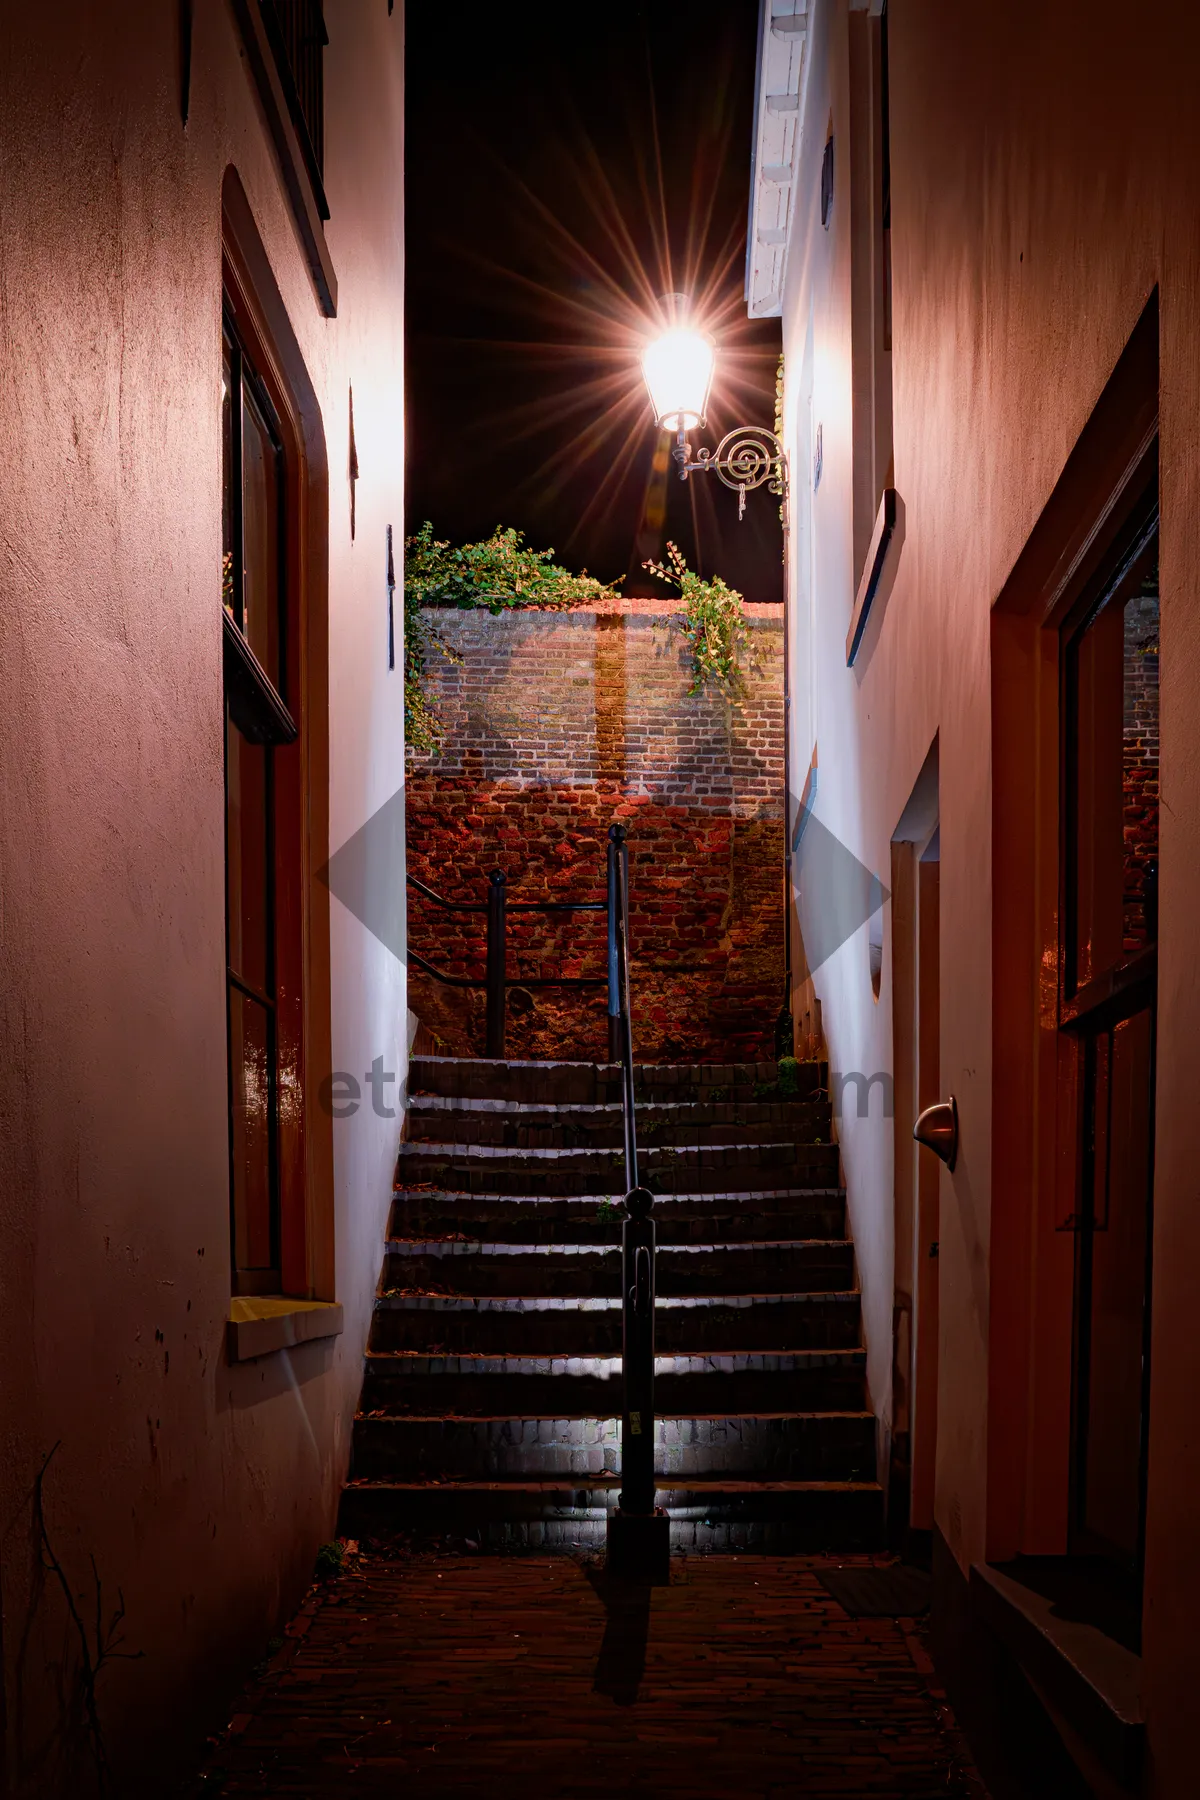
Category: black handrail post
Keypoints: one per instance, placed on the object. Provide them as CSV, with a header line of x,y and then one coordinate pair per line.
x,y
637,1421
616,838
639,1533
631,1168
497,970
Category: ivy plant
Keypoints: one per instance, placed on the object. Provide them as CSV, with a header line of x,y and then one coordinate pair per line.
x,y
714,623
501,571
422,726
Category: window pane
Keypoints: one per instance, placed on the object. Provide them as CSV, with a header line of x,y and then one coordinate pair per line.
x,y
1114,797
250,1052
261,549
247,857
229,508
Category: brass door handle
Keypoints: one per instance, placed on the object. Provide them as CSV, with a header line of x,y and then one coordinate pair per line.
x,y
937,1129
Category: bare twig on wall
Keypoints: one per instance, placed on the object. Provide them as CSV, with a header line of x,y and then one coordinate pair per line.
x,y
104,1645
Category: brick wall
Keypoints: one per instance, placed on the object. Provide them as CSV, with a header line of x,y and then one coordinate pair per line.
x,y
557,725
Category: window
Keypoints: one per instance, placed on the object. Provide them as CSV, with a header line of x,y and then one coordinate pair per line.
x,y
1112,773
285,44
296,29
261,841
1108,962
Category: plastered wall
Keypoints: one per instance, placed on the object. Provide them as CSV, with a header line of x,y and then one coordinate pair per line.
x,y
200,1488
1044,171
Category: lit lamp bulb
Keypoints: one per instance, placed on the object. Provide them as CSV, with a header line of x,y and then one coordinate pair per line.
x,y
678,367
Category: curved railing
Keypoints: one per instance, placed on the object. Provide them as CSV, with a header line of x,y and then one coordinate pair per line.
x,y
497,980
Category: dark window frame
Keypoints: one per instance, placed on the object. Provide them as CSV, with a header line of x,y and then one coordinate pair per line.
x,y
256,707
294,28
1090,1013
1077,1004
301,161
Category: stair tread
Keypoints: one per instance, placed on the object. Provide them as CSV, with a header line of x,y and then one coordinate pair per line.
x,y
609,1303
681,1272
584,1155
511,1418
494,1367
490,1107
842,1353
541,1484
448,1248
741,1198
802,1389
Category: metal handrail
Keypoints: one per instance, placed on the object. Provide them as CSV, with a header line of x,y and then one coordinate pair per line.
x,y
497,980
638,1540
637,1232
618,887
480,906
447,905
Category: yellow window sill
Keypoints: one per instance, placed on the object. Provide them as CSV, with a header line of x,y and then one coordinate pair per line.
x,y
259,1326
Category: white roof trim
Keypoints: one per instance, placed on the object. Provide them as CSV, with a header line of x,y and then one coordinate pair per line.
x,y
778,120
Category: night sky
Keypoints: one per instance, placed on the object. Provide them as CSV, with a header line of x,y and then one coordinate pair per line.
x,y
565,168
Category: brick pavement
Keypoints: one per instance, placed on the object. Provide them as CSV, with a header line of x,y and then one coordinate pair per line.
x,y
457,1675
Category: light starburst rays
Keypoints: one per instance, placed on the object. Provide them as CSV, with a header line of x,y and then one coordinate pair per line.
x,y
592,288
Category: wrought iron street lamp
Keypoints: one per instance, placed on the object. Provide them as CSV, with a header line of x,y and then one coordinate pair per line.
x,y
678,369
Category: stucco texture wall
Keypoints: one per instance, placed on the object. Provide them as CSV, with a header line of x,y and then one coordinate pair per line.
x,y
200,1488
1044,171
558,725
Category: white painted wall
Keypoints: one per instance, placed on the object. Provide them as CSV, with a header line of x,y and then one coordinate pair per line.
x,y
1044,174
201,1488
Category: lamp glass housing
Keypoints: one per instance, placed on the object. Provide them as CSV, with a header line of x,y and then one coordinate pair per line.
x,y
678,368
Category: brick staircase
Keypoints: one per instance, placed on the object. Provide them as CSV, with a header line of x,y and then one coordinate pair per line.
x,y
493,1367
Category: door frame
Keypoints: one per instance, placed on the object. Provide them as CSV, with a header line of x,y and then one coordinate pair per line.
x,y
1036,1123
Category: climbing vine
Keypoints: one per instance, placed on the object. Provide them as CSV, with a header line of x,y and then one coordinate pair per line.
x,y
422,726
714,623
500,571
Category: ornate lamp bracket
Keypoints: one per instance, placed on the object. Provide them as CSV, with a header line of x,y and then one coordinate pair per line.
x,y
746,457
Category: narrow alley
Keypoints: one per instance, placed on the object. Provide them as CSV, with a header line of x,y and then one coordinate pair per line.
x,y
599,794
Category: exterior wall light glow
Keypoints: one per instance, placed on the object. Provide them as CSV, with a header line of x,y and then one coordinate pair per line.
x,y
678,369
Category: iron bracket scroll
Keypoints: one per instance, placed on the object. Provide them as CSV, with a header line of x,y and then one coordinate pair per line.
x,y
746,458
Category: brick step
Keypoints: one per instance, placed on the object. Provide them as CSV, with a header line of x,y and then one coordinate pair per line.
x,y
570,1083
494,1374
407,1392
481,1270
433,1325
399,1363
720,1514
437,1119
426,1217
685,1169
791,1445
